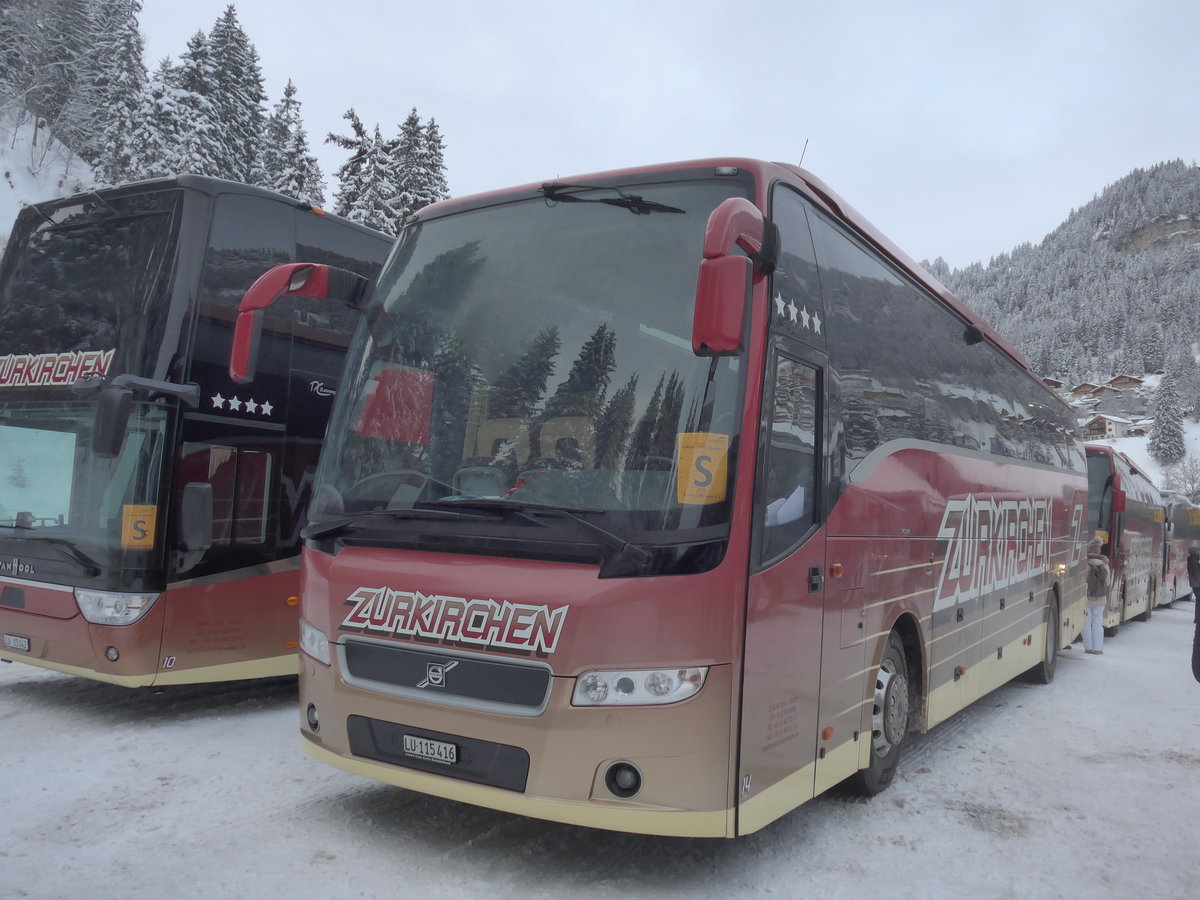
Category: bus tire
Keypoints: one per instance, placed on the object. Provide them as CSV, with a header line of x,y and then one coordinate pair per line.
x,y
891,714
1043,672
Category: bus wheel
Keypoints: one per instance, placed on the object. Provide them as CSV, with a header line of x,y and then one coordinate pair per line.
x,y
890,711
1043,672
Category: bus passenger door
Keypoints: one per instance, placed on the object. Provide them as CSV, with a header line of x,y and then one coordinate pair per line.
x,y
782,653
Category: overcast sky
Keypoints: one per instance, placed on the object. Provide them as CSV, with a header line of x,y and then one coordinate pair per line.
x,y
959,129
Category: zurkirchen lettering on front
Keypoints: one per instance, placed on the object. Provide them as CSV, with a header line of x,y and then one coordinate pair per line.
x,y
456,620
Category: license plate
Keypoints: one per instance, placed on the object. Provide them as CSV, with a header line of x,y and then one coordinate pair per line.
x,y
16,642
433,751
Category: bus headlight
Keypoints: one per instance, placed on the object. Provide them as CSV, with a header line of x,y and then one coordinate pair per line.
x,y
313,642
637,687
110,608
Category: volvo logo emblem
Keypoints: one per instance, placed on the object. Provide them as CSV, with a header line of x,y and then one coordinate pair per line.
x,y
435,674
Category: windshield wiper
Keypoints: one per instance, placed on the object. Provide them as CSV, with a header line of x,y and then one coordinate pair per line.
x,y
318,530
69,550
639,206
530,511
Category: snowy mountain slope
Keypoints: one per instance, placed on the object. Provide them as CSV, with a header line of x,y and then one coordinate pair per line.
x,y
35,167
1110,290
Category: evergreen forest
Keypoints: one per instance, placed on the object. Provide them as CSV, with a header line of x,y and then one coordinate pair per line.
x,y
1113,290
73,76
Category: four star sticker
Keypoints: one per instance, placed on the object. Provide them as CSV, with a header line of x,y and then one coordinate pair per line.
x,y
797,314
236,404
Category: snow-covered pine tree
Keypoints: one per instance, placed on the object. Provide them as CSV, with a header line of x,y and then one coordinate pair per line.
x,y
350,175
175,135
237,99
408,166
121,90
375,201
151,143
289,166
418,158
76,123
435,155
41,45
1166,443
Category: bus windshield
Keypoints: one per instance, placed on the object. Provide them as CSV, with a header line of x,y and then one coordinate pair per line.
x,y
537,353
89,275
53,489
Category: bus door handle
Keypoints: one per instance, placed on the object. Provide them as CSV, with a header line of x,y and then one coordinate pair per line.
x,y
815,579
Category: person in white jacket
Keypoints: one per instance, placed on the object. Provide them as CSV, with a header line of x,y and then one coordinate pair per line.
x,y
1097,597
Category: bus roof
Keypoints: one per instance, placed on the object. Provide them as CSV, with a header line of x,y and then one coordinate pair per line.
x,y
766,173
202,184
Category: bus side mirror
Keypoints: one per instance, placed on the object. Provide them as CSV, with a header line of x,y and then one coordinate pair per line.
x,y
725,275
196,517
1118,500
298,279
113,405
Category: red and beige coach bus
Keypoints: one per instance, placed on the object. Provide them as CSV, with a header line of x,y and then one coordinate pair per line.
x,y
1183,533
601,540
150,508
1126,510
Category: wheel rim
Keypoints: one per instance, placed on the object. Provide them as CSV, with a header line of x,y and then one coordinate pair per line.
x,y
889,715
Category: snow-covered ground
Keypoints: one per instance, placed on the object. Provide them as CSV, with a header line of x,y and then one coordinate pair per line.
x,y
1088,787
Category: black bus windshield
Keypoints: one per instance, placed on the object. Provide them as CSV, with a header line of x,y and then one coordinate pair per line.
x,y
86,276
539,351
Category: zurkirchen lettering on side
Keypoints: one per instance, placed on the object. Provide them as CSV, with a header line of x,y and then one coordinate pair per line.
x,y
991,544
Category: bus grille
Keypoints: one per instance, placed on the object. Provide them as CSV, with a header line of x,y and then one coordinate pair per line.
x,y
449,679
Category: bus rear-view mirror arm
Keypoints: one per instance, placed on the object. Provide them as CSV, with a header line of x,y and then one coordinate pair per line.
x,y
725,274
297,279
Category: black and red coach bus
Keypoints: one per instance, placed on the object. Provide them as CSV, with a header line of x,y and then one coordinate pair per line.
x,y
663,500
1126,511
150,508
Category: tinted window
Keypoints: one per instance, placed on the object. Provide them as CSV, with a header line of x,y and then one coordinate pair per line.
x,y
89,276
908,370
788,499
797,309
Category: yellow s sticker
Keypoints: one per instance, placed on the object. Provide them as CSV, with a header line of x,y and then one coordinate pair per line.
x,y
137,527
703,462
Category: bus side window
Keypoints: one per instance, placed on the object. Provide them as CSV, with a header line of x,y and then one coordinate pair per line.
x,y
241,484
788,494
